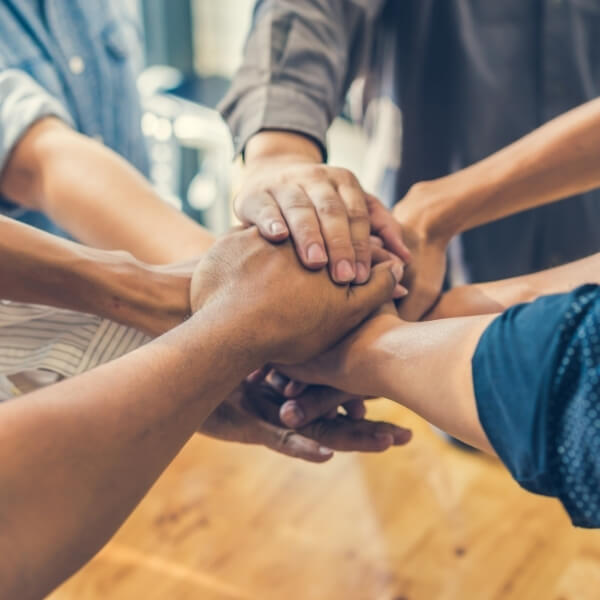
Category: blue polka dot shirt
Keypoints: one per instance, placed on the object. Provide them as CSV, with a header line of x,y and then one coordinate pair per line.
x,y
536,374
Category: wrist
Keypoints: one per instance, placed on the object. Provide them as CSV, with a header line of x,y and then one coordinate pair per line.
x,y
282,146
362,366
439,209
125,290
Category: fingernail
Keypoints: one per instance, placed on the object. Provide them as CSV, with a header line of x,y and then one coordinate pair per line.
x,y
398,271
362,273
344,271
316,254
293,389
277,228
292,414
278,381
400,292
324,451
386,439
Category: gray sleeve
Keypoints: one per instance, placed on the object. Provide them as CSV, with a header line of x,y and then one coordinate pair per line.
x,y
23,102
300,58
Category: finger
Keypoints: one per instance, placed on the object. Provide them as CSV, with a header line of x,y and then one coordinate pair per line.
x,y
291,443
355,408
336,231
258,375
387,228
379,255
277,380
381,288
360,228
299,213
261,209
316,402
346,435
294,389
376,241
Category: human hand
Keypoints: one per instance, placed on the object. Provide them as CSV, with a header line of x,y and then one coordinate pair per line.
x,y
250,416
424,275
324,209
283,313
346,366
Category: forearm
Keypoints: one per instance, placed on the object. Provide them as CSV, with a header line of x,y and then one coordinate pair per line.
x,y
99,442
97,196
497,296
427,368
555,161
39,268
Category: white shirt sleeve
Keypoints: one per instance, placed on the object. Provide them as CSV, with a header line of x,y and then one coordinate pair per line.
x,y
40,339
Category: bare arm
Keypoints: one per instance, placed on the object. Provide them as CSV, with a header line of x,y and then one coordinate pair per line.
x,y
78,456
496,296
557,160
92,446
424,366
95,195
40,268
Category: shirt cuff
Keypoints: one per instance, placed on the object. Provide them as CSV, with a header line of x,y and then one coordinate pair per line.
x,y
274,107
23,102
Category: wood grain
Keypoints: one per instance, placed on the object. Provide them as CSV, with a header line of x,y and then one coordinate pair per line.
x,y
423,522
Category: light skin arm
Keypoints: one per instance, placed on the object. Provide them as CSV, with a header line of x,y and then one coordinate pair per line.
x,y
96,196
423,366
497,296
412,362
286,191
555,161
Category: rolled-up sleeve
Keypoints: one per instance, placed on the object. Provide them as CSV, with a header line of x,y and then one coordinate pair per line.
x,y
536,375
300,59
23,102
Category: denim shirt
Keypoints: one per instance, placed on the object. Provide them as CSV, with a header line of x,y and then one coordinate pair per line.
x,y
76,60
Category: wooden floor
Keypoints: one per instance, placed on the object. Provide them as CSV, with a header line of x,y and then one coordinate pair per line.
x,y
422,522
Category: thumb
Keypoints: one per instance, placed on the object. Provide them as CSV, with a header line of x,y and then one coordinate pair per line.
x,y
380,289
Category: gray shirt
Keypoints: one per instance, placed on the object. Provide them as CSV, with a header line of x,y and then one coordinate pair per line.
x,y
459,78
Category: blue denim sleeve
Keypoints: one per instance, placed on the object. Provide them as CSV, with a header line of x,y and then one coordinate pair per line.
x,y
536,375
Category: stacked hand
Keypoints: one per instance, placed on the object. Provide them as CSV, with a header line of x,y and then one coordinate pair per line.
x,y
251,416
282,311
325,211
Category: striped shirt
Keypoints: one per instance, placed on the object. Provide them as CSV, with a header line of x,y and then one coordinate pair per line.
x,y
44,344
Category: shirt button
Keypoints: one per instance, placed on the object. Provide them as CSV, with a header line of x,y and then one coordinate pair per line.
x,y
76,65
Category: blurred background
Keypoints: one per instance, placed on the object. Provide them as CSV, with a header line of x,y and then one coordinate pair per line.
x,y
192,50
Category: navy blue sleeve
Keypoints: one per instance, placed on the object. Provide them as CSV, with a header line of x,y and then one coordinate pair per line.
x,y
536,375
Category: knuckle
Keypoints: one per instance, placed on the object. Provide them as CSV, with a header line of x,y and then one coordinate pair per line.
x,y
340,244
304,228
358,213
294,200
285,438
346,177
361,246
320,172
330,206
